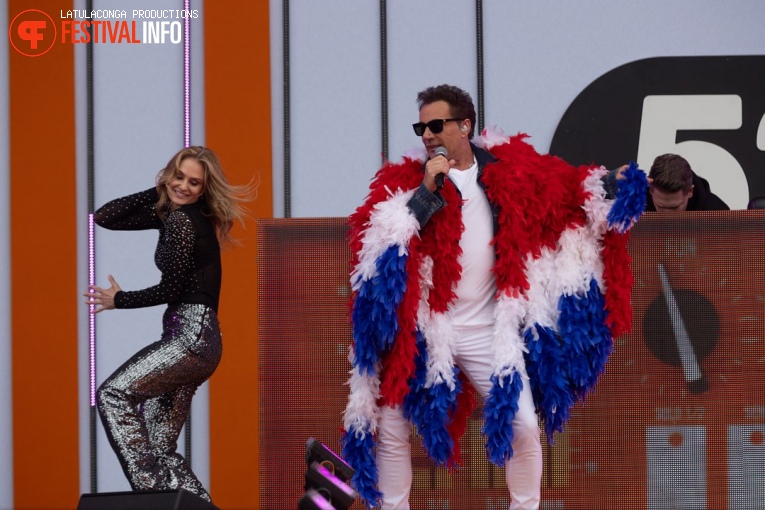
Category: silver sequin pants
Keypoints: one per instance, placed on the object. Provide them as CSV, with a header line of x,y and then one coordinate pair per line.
x,y
145,402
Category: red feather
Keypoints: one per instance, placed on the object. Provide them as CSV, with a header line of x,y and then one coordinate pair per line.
x,y
440,238
466,404
399,366
540,197
618,279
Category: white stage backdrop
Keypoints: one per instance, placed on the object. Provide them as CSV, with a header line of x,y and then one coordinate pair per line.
x,y
538,56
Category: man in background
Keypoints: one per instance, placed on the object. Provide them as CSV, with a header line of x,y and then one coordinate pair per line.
x,y
675,187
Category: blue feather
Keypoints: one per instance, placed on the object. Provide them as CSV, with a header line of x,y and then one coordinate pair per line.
x,y
499,411
436,439
359,452
431,409
583,326
375,323
533,359
416,400
550,386
630,198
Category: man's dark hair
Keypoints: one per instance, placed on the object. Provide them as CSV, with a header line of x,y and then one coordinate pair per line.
x,y
460,103
671,173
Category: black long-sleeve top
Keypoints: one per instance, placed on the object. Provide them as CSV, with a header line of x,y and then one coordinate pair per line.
x,y
187,253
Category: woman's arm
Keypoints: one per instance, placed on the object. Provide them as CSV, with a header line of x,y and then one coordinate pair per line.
x,y
132,212
177,265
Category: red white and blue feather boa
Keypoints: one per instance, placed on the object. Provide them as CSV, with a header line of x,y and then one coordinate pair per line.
x,y
563,293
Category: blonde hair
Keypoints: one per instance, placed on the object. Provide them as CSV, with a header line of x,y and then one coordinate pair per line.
x,y
225,201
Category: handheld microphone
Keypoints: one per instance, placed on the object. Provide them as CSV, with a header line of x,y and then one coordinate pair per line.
x,y
440,151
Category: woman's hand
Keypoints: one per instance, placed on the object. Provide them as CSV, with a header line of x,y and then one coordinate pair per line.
x,y
103,298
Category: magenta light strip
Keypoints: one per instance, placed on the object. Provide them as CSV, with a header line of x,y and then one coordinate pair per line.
x,y
187,76
92,307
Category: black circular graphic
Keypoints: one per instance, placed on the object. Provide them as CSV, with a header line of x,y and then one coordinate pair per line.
x,y
701,322
603,124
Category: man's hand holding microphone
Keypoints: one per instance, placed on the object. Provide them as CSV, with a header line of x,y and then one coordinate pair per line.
x,y
436,168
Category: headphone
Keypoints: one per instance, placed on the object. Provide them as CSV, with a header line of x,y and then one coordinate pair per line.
x,y
464,128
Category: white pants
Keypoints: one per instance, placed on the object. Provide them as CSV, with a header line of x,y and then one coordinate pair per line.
x,y
523,471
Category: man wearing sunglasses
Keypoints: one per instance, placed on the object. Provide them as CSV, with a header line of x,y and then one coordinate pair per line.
x,y
510,279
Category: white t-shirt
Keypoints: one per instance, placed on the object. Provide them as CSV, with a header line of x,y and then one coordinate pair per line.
x,y
476,289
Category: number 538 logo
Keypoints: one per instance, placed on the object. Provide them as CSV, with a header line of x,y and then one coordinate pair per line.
x,y
710,110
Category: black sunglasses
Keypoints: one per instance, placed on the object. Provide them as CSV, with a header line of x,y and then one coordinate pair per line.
x,y
435,126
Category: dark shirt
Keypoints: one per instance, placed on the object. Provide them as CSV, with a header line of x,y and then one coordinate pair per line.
x,y
187,253
702,200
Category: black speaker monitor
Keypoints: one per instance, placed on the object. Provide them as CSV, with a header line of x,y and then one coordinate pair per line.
x,y
144,500
317,452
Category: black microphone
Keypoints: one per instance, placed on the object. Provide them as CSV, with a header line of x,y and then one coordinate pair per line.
x,y
440,151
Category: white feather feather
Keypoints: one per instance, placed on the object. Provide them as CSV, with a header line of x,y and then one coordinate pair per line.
x,y
361,414
507,343
391,223
441,335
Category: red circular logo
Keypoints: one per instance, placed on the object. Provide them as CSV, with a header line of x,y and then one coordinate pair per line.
x,y
32,33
